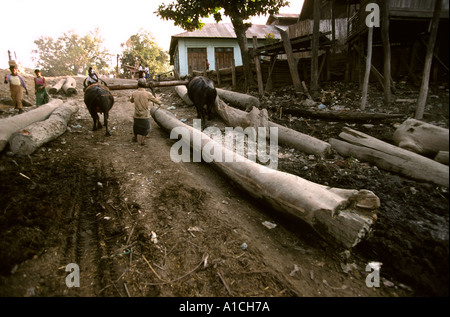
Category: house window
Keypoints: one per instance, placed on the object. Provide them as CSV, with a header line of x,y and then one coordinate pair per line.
x,y
223,57
197,58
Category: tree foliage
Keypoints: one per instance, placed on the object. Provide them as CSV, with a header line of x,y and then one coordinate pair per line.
x,y
71,54
141,48
188,14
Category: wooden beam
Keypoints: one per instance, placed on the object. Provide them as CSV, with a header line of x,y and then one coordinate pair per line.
x,y
367,72
423,94
314,86
258,68
291,61
386,52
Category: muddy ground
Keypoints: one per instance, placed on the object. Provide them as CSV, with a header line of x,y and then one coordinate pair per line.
x,y
137,224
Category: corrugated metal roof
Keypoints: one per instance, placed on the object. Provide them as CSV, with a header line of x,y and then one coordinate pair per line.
x,y
226,30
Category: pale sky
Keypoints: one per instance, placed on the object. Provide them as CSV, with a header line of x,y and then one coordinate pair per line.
x,y
24,21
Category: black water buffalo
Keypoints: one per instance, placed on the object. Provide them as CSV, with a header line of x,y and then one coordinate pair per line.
x,y
202,93
98,99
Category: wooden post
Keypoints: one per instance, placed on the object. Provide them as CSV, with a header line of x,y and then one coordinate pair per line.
x,y
314,86
386,52
291,61
233,74
219,81
258,68
269,83
367,73
428,60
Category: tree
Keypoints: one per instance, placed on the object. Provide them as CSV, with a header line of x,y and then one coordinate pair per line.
x,y
71,54
187,14
142,48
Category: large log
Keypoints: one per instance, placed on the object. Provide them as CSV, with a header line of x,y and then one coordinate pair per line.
x,y
339,215
70,86
238,100
421,137
354,116
442,157
12,124
132,85
57,87
181,90
390,157
27,140
286,136
238,118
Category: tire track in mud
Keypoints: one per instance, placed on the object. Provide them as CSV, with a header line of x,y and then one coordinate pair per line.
x,y
95,232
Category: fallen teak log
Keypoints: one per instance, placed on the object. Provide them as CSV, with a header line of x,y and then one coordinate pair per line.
x,y
339,215
181,90
148,84
442,157
341,115
421,137
239,118
390,157
238,100
12,124
70,86
27,140
56,87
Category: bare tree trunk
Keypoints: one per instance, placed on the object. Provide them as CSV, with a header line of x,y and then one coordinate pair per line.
x,y
367,73
387,53
314,87
240,29
422,100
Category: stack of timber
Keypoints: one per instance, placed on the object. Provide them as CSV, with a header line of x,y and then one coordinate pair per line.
x,y
67,85
10,125
390,157
30,138
341,216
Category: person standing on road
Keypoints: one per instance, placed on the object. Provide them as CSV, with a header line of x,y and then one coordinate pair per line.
x,y
40,85
16,86
141,118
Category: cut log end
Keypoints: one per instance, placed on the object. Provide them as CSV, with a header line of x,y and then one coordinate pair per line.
x,y
353,223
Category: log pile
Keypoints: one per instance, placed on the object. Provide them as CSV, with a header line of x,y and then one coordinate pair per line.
x,y
390,157
239,118
27,140
342,216
12,124
67,85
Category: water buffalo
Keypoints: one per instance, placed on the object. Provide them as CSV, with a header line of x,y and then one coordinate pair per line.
x,y
98,99
202,93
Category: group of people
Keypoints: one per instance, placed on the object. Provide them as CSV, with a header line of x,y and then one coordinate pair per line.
x,y
140,98
144,72
17,85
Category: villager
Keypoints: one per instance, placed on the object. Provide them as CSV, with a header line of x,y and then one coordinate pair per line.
x,y
141,119
16,86
40,85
